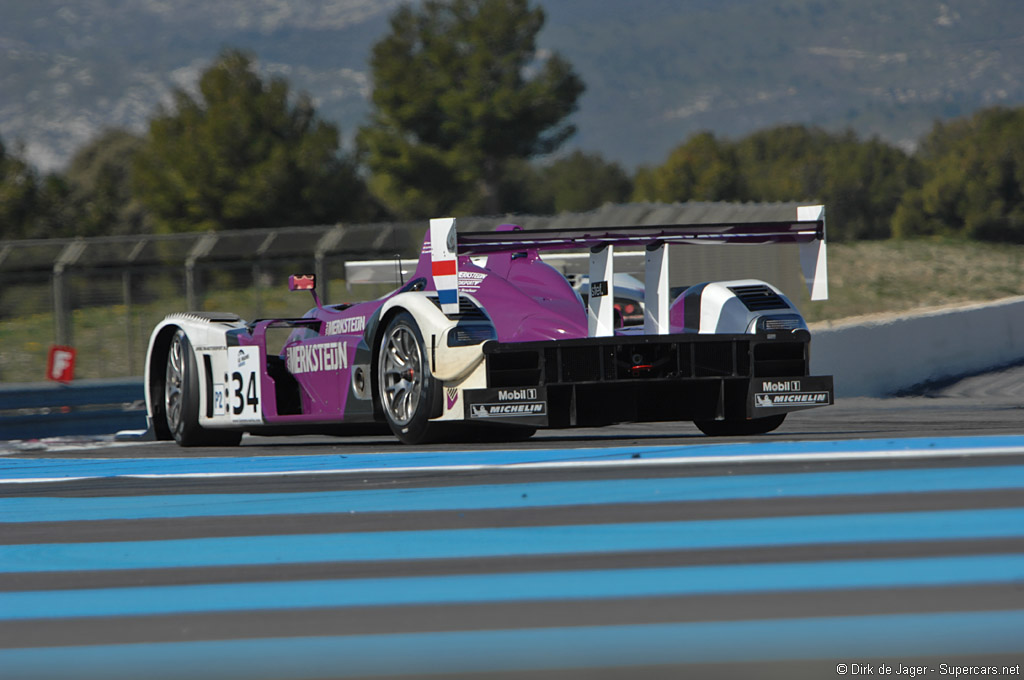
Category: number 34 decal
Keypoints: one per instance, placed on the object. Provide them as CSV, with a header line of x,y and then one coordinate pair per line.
x,y
240,398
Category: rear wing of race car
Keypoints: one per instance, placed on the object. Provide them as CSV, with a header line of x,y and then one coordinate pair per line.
x,y
808,230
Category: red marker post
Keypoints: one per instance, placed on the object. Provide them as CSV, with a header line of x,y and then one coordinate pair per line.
x,y
61,364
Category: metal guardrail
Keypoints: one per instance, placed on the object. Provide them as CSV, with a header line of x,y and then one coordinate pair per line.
x,y
87,407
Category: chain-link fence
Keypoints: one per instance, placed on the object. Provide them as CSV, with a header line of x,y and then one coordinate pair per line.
x,y
102,296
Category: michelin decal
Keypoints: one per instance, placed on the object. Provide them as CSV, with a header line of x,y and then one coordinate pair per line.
x,y
523,405
789,393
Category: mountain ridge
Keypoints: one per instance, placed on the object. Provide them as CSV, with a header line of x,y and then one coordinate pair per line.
x,y
657,71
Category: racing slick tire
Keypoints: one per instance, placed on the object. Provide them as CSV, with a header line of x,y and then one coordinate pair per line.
x,y
407,392
181,399
739,428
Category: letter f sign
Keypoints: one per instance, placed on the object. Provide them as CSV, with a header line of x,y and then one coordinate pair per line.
x,y
61,366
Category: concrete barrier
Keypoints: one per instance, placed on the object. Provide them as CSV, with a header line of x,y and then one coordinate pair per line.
x,y
86,407
869,357
879,356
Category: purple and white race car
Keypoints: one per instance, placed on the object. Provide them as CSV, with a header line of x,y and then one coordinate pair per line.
x,y
487,340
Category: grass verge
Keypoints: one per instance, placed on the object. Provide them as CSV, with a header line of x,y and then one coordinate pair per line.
x,y
864,278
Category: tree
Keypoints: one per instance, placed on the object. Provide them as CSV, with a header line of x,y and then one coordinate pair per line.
x,y
974,180
19,190
583,181
575,183
860,182
459,93
243,155
99,179
701,169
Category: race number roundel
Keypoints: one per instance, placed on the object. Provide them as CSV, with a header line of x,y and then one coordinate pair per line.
x,y
242,392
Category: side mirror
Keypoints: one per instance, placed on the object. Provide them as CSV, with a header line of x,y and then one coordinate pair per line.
x,y
304,282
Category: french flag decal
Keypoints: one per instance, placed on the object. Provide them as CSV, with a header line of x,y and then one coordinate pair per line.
x,y
444,265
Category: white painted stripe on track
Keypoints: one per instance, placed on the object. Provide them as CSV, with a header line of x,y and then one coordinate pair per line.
x,y
639,462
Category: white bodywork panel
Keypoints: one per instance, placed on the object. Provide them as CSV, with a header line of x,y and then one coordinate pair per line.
x,y
656,295
208,338
601,301
447,364
444,263
814,255
722,312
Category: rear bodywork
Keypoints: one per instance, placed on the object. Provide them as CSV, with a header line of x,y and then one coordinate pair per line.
x,y
508,341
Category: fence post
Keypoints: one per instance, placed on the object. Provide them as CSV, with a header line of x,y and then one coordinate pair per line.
x,y
326,244
200,250
126,291
257,271
61,304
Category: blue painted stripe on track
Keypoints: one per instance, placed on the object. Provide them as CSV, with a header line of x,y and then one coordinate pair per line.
x,y
897,636
505,496
12,469
515,587
459,543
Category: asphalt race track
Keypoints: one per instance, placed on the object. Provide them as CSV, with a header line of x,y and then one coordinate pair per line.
x,y
881,537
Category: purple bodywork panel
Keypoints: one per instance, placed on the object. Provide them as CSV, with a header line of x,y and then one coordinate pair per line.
x,y
322,367
526,299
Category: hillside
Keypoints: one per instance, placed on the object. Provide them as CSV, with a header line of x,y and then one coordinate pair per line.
x,y
656,70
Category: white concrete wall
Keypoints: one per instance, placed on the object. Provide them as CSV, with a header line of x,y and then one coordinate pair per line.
x,y
878,357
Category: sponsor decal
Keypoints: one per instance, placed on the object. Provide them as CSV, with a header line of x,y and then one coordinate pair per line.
x,y
525,405
452,397
598,289
243,358
780,386
536,408
469,282
354,324
762,400
326,356
517,395
220,399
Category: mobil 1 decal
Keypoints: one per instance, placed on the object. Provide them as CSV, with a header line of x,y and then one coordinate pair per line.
x,y
811,391
514,405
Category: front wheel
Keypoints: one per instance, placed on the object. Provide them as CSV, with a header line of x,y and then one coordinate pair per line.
x,y
181,399
407,391
739,428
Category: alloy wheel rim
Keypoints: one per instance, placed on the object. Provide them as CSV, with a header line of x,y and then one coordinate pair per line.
x,y
401,375
173,382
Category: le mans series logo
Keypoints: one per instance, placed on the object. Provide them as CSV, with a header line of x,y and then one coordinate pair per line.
x,y
787,393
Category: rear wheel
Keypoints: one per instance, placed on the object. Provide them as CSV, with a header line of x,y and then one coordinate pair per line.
x,y
739,428
407,391
181,399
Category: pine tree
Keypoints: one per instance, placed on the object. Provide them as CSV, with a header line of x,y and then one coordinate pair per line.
x,y
459,92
